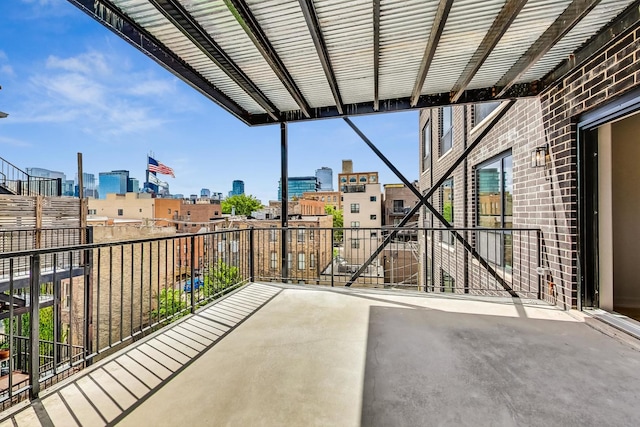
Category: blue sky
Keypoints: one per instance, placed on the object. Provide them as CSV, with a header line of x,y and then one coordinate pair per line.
x,y
69,85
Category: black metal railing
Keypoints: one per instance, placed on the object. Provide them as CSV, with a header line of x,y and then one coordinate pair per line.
x,y
424,259
15,181
78,303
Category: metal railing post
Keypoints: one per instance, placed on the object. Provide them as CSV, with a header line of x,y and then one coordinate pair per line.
x,y
332,259
539,235
192,261
252,255
425,273
34,322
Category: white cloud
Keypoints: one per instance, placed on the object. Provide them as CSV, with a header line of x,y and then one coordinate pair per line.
x,y
13,142
103,96
87,63
42,2
7,69
153,87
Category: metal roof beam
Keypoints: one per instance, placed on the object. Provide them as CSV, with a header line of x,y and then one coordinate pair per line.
x,y
376,54
187,25
430,49
568,19
500,25
622,23
310,16
124,27
249,24
471,96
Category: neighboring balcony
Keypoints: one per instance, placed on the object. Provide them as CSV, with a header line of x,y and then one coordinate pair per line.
x,y
212,320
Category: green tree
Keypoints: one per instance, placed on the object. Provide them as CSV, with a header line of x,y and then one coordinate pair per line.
x,y
338,221
46,328
244,204
220,277
170,302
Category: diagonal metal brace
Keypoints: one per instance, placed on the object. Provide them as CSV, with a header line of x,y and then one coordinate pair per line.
x,y
423,200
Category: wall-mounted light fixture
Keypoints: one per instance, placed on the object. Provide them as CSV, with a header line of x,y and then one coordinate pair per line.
x,y
540,157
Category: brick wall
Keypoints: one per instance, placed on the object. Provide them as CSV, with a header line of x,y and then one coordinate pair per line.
x,y
610,72
544,199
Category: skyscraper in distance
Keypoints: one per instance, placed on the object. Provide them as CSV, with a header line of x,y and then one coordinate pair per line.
x,y
237,188
113,182
324,176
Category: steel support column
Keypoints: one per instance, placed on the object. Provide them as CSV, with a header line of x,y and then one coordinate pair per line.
x,y
284,199
424,200
34,326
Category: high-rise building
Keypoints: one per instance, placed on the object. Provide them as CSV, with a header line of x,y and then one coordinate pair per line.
x,y
205,192
237,188
68,187
298,185
133,185
113,182
325,178
46,173
89,184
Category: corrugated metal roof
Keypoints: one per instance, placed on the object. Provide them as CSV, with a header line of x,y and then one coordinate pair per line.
x,y
284,60
601,15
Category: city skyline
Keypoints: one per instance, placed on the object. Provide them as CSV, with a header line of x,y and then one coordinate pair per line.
x,y
69,85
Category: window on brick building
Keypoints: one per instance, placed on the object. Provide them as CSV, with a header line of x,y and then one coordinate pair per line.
x,y
481,111
301,235
274,260
301,261
273,234
494,209
289,260
446,129
312,260
426,146
120,212
446,209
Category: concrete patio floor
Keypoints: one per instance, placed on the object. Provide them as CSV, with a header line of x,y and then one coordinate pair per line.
x,y
286,355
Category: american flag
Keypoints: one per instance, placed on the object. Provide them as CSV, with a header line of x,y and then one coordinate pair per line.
x,y
157,167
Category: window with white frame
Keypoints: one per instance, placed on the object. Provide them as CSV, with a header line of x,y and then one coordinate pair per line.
x,y
426,146
355,207
274,260
446,129
301,261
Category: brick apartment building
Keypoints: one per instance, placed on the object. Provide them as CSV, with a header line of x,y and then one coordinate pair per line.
x,y
309,245
564,162
398,201
329,198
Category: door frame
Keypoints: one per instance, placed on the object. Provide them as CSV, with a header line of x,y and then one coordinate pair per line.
x,y
587,171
